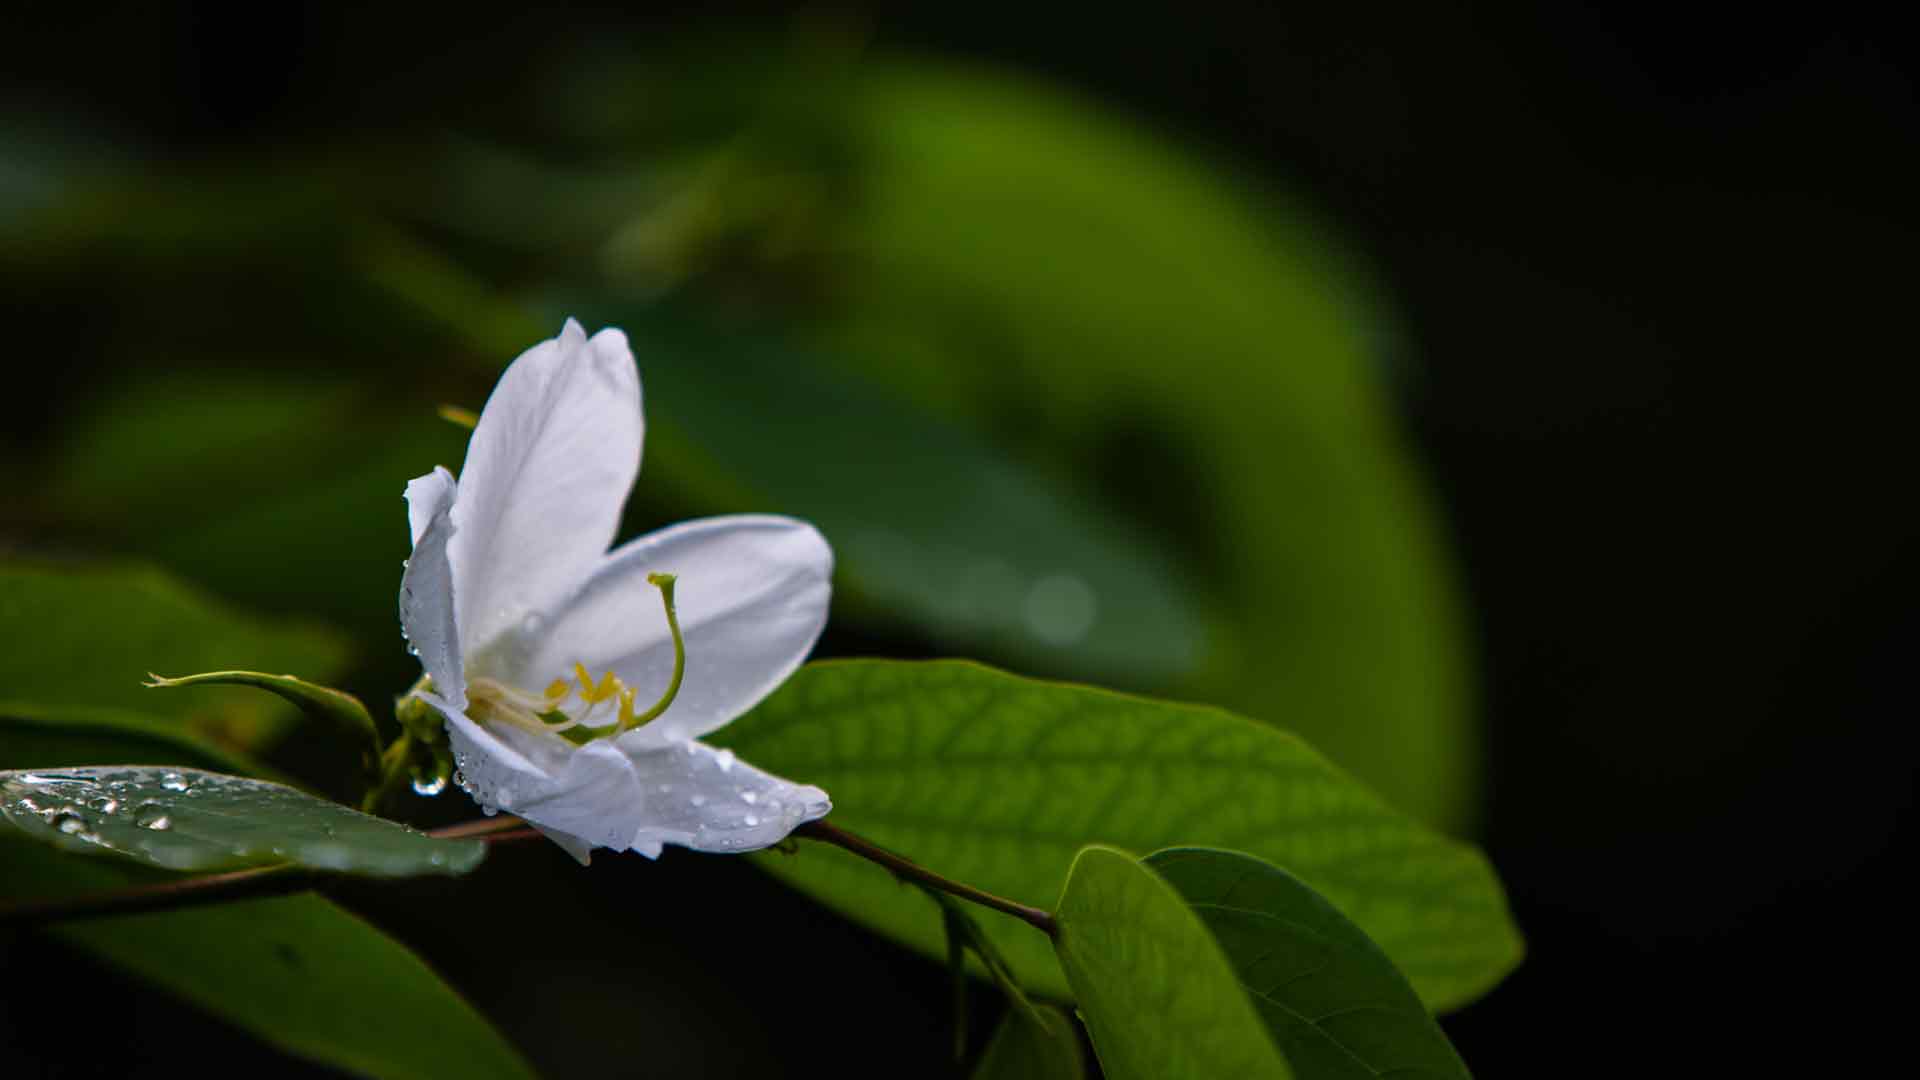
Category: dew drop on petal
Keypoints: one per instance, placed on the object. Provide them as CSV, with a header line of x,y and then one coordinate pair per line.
x,y
725,760
749,797
698,801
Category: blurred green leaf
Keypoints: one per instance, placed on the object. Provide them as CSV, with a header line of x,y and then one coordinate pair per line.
x,y
90,634
299,973
997,781
1025,1049
1123,309
1160,1001
180,818
1333,1002
930,524
275,490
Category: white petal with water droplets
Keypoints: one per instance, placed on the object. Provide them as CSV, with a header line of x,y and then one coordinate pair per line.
x,y
614,795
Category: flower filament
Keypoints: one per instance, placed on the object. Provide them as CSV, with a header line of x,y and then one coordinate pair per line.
x,y
489,699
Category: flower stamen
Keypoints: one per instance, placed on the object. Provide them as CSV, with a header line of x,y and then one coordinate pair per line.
x,y
491,699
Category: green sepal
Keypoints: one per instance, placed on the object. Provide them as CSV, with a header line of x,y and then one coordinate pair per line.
x,y
336,707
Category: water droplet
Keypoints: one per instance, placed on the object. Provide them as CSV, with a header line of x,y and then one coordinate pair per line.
x,y
70,823
152,815
698,801
749,797
725,760
106,804
751,820
461,779
173,781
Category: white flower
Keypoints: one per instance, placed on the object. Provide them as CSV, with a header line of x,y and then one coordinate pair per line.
x,y
511,599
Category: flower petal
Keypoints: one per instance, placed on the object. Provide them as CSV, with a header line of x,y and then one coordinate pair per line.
x,y
704,798
428,616
547,472
613,795
752,596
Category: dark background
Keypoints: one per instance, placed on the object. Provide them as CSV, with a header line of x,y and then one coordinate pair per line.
x,y
1654,273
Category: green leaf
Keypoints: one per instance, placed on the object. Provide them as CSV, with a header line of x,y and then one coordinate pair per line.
x,y
1025,1049
297,972
191,819
1334,1003
323,703
1160,1001
997,781
89,635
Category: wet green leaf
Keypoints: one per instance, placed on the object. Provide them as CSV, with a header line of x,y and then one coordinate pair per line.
x,y
1160,1001
1332,1000
998,780
298,973
191,819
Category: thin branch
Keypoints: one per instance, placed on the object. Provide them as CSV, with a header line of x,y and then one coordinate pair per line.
x,y
908,870
499,823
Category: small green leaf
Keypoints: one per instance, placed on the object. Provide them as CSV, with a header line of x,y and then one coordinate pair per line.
x,y
190,819
997,781
1025,1049
298,972
1160,1000
1334,1003
90,635
341,710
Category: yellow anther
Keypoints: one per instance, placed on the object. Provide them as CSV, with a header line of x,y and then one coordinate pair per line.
x,y
559,688
626,709
593,695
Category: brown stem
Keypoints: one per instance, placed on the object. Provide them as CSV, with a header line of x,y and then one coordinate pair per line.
x,y
909,870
